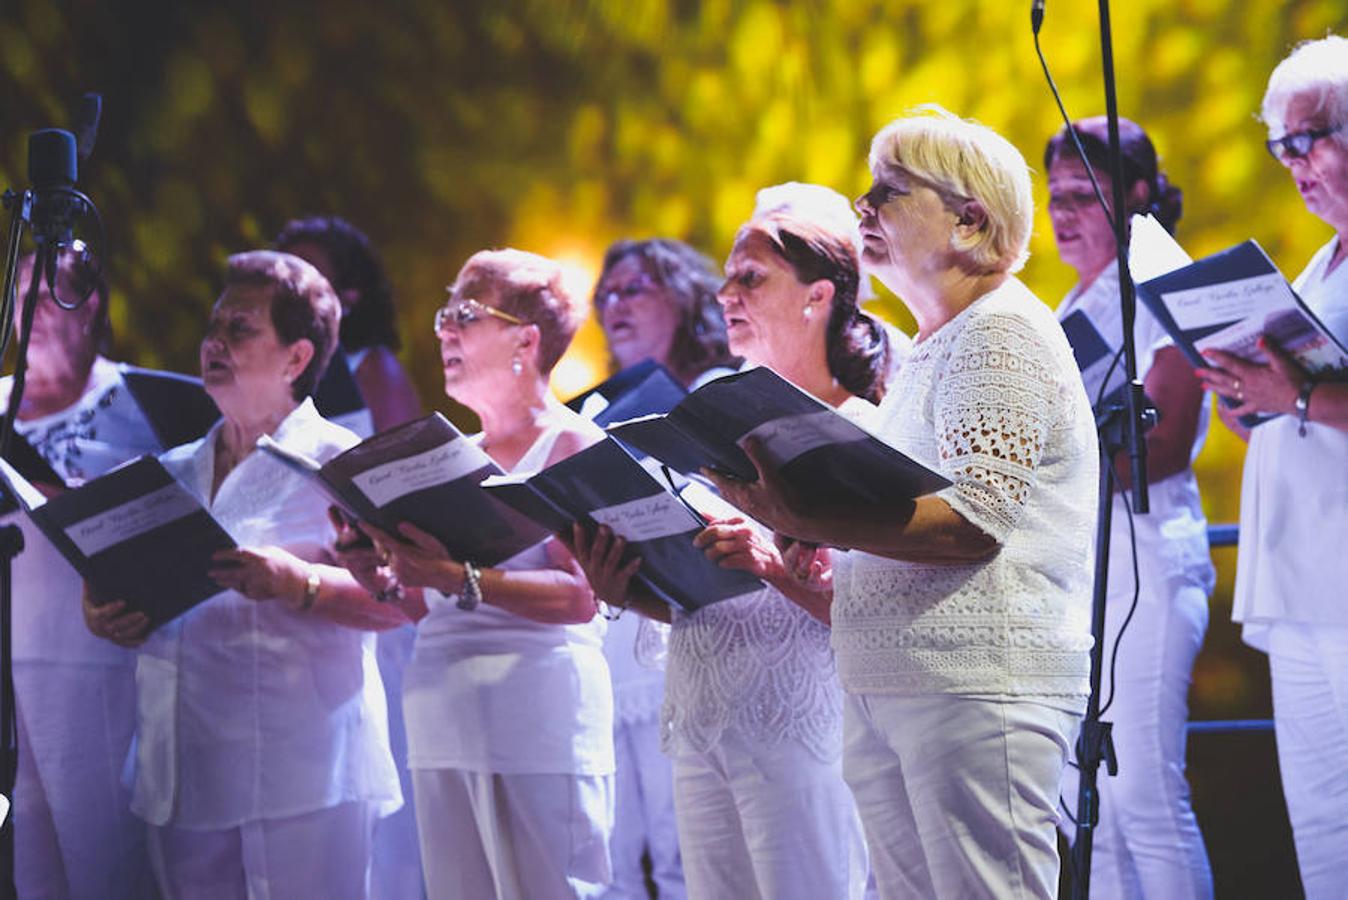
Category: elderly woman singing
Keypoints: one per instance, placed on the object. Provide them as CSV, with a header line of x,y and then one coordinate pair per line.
x,y
262,748
960,620
507,698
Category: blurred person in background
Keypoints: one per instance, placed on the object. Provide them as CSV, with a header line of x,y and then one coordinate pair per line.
x,y
1147,844
75,836
1294,500
369,341
655,299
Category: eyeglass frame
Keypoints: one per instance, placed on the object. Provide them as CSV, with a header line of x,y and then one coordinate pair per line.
x,y
947,196
1287,142
642,284
442,315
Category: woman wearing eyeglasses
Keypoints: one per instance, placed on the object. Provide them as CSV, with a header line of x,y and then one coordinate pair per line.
x,y
1148,843
1294,506
960,620
507,699
752,716
656,300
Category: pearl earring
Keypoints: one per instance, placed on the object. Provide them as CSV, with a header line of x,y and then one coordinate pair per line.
x,y
517,366
809,311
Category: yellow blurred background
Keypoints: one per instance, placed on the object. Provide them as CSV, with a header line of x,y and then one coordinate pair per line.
x,y
441,128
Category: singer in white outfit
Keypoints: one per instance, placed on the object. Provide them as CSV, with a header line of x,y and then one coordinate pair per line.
x,y
960,621
75,836
1294,499
1147,844
262,756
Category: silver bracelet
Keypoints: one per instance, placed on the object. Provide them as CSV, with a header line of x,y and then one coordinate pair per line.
x,y
470,597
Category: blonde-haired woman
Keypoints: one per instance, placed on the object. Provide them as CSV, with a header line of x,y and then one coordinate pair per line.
x,y
960,620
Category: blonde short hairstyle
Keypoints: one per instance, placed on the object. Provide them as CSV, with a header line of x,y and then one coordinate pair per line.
x,y
1317,69
536,289
964,160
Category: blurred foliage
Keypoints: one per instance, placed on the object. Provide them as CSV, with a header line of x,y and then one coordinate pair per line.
x,y
560,125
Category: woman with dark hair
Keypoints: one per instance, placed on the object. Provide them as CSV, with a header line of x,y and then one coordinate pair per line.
x,y
369,332
75,837
1148,843
656,300
369,339
752,715
262,757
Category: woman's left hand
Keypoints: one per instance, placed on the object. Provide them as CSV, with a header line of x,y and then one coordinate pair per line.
x,y
767,499
416,558
262,573
735,544
1256,388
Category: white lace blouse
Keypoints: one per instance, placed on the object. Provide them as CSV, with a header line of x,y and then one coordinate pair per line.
x,y
994,401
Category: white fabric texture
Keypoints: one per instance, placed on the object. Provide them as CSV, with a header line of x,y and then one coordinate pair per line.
x,y
1293,508
324,854
993,401
74,835
253,710
1310,708
513,837
1289,596
1148,843
766,821
958,795
472,673
643,815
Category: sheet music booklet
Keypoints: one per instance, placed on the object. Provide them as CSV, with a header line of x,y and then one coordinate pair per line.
x,y
821,453
604,484
134,533
428,473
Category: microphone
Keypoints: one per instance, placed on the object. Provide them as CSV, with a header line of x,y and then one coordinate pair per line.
x,y
1036,15
52,171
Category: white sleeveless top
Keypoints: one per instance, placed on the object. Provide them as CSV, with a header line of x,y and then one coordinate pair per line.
x,y
490,691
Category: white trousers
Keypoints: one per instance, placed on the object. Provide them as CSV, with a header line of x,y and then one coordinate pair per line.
x,y
319,854
1309,666
766,823
513,837
643,816
74,835
1148,844
395,867
959,796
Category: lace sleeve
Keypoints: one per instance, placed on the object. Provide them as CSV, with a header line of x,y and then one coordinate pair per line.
x,y
993,410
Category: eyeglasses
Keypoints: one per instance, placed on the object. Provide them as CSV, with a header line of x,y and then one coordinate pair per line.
x,y
881,192
629,291
1299,143
461,313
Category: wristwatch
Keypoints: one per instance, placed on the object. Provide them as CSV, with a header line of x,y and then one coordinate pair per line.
x,y
471,595
1303,406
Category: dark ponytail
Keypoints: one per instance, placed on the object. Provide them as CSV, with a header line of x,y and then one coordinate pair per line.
x,y
856,344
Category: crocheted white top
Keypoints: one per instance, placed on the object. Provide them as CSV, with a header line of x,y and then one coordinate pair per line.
x,y
993,400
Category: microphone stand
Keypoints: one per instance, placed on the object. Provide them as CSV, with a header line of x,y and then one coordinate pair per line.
x,y
11,536
1096,743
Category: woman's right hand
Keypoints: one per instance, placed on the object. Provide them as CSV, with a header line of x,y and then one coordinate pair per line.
x,y
112,622
600,557
356,553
